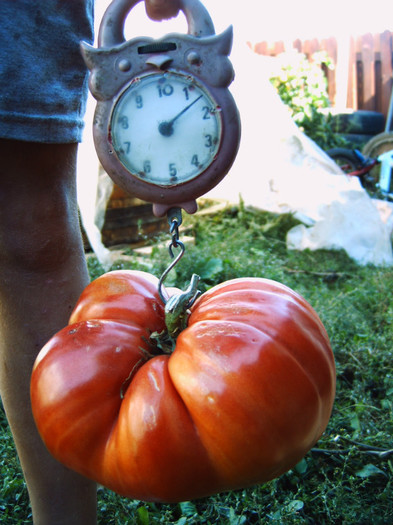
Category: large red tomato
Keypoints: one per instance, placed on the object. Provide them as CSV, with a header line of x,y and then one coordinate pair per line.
x,y
246,393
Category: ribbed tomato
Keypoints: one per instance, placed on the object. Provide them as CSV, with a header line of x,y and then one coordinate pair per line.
x,y
247,391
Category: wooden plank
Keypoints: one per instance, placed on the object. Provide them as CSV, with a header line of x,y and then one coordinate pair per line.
x,y
279,47
366,51
330,46
306,48
315,46
352,91
297,44
376,71
359,81
386,47
261,48
378,81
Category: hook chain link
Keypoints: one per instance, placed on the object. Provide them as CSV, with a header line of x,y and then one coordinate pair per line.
x,y
174,220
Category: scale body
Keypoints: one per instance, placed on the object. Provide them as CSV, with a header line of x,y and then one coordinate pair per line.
x,y
166,128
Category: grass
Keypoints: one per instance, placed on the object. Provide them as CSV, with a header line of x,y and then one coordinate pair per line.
x,y
348,477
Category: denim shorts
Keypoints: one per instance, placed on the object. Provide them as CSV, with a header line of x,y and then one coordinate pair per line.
x,y
43,79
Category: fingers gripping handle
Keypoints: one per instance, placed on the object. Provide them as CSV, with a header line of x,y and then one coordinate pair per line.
x,y
111,32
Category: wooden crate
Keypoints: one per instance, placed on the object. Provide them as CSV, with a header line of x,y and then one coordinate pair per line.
x,y
129,220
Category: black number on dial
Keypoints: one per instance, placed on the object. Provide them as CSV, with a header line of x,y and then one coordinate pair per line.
x,y
147,166
124,122
209,141
172,170
166,91
206,112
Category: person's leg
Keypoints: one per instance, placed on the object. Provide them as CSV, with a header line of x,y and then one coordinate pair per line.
x,y
42,273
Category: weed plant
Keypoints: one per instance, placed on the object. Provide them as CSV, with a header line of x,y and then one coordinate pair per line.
x,y
302,85
348,477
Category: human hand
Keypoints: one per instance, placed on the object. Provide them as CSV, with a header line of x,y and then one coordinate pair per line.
x,y
162,9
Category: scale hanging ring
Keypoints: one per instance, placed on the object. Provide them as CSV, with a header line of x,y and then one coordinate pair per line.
x,y
111,32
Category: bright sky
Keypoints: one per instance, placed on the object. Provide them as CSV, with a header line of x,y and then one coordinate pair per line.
x,y
302,18
258,20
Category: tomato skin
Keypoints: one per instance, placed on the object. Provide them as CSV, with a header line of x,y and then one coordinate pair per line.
x,y
130,296
76,388
246,393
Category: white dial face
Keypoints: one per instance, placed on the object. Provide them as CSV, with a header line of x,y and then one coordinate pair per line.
x,y
166,129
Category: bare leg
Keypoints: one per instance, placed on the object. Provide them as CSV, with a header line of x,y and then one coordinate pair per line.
x,y
42,273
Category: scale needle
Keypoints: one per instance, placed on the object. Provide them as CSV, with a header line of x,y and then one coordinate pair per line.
x,y
166,127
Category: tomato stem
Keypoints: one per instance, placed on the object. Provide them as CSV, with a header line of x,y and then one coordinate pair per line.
x,y
176,316
177,307
163,342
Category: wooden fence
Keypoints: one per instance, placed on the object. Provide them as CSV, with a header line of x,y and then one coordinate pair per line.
x,y
368,62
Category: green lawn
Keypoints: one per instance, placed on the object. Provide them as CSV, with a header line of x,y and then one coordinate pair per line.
x,y
348,477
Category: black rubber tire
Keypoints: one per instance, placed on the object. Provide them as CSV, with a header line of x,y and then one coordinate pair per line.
x,y
345,158
359,122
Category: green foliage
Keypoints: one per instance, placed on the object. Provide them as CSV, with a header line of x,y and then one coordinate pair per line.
x,y
348,477
302,86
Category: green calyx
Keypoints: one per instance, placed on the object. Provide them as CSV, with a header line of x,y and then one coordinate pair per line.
x,y
176,316
177,308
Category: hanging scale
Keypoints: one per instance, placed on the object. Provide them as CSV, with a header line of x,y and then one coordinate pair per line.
x,y
166,128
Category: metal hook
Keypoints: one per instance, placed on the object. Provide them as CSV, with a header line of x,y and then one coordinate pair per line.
x,y
172,265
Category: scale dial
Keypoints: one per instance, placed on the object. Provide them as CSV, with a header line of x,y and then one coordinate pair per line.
x,y
166,129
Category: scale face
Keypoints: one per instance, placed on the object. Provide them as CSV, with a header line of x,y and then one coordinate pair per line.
x,y
166,128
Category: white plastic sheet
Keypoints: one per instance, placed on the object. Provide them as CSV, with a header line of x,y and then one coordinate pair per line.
x,y
279,169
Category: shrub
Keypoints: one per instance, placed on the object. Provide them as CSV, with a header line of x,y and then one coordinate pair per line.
x,y
302,86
